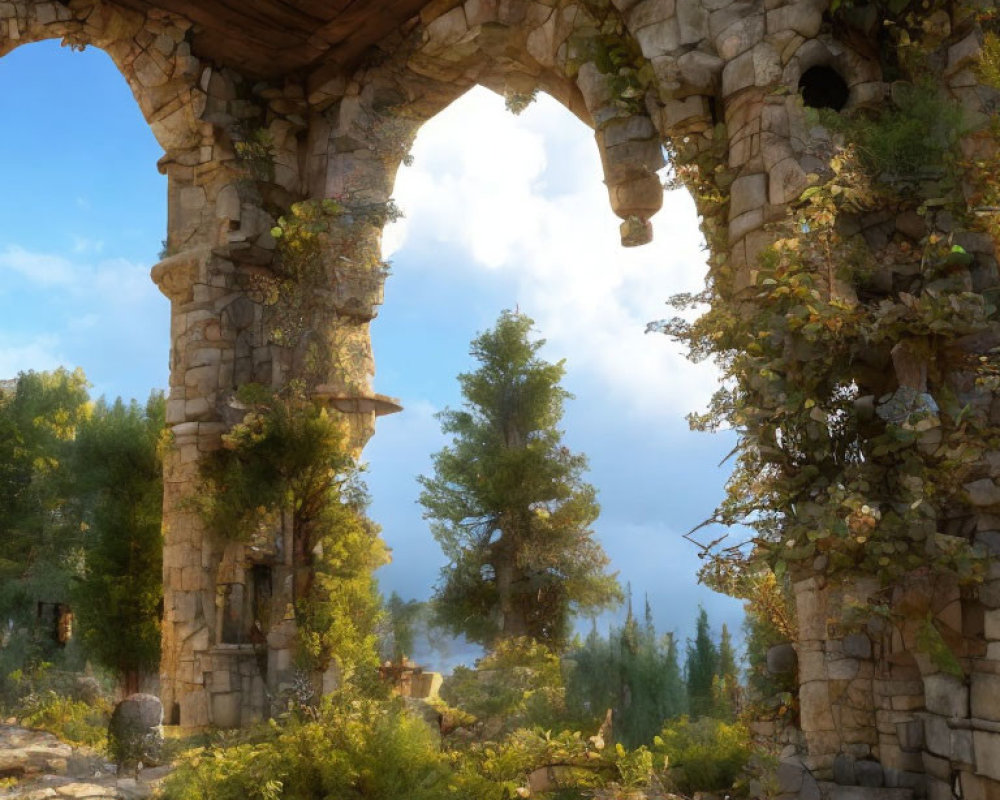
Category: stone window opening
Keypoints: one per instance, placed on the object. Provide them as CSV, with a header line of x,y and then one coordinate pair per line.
x,y
246,607
822,86
56,619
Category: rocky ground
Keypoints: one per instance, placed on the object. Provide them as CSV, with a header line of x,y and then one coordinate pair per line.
x,y
42,767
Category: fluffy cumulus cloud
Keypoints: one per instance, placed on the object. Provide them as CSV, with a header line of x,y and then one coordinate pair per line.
x,y
524,196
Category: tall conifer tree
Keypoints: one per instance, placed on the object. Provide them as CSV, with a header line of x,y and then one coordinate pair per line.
x,y
508,502
701,668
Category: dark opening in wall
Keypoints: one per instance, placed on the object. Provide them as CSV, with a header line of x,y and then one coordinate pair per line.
x,y
823,87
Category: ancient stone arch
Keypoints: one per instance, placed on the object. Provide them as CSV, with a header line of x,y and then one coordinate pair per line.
x,y
303,101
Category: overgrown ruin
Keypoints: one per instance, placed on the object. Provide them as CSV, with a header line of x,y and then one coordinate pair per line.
x,y
265,113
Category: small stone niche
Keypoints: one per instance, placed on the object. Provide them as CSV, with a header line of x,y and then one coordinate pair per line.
x,y
246,606
823,87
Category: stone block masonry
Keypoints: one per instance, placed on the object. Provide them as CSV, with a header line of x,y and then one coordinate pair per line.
x,y
718,85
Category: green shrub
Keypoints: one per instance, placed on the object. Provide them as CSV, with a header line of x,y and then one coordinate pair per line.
x,y
73,721
350,750
920,131
703,756
519,684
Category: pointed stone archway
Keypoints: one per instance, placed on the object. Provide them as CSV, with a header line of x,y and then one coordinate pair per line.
x,y
721,86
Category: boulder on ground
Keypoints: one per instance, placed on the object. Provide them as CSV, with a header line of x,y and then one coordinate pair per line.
x,y
135,733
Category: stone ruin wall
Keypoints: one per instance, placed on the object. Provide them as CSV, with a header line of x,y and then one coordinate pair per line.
x,y
715,77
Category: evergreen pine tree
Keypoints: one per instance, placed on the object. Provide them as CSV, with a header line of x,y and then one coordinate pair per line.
x,y
508,503
634,673
675,700
726,685
701,668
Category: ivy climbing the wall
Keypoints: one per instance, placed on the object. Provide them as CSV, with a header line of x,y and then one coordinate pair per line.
x,y
285,473
325,268
852,358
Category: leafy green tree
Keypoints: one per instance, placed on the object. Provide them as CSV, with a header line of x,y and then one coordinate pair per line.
x,y
40,531
38,422
701,668
119,476
508,502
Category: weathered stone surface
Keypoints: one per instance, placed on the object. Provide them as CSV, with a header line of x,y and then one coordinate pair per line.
x,y
81,774
986,745
747,193
790,775
781,659
844,770
833,791
985,696
135,733
857,645
869,773
25,752
946,695
911,735
983,492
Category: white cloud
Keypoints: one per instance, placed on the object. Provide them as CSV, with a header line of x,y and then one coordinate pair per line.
x,y
484,182
41,269
39,354
106,316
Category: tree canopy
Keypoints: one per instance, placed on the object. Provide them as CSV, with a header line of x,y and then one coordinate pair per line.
x,y
118,473
508,502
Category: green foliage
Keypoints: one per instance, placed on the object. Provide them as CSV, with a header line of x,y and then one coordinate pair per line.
x,y
768,622
989,60
40,531
500,770
286,466
119,476
518,685
516,102
725,682
508,503
701,668
349,751
635,673
931,642
255,154
306,283
37,425
707,755
817,475
918,133
74,721
39,696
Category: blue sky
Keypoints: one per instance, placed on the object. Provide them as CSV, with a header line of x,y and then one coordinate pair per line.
x,y
501,212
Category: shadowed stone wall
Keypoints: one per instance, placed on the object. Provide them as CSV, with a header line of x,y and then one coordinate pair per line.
x,y
718,83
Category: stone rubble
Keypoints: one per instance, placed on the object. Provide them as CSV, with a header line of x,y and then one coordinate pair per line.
x,y
44,767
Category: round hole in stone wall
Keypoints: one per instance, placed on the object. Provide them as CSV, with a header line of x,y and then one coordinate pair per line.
x,y
823,87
